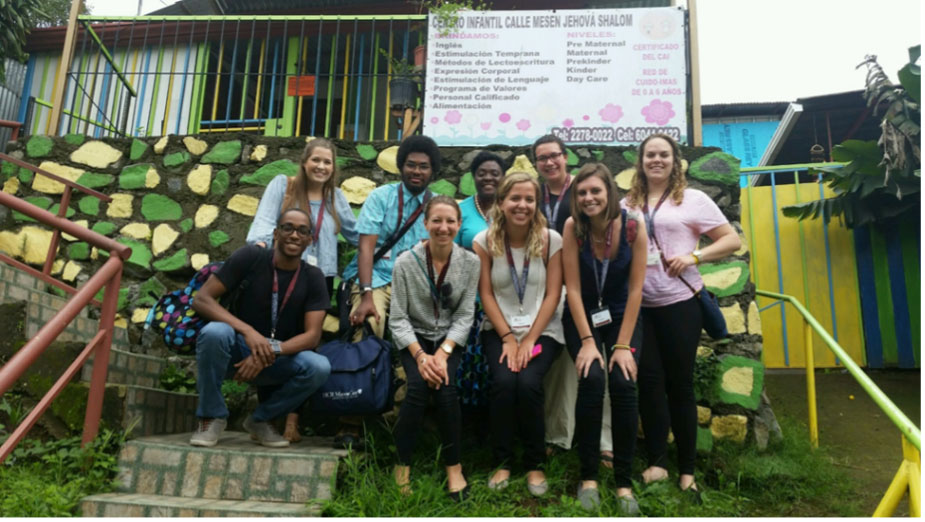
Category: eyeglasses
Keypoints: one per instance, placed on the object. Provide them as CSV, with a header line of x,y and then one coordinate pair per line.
x,y
289,228
551,156
423,167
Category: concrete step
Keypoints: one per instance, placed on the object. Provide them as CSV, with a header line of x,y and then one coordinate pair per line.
x,y
130,368
235,469
138,505
157,411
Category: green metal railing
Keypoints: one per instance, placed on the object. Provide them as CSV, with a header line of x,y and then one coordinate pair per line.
x,y
908,477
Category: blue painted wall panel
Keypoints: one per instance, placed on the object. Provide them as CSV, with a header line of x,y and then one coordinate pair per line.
x,y
744,140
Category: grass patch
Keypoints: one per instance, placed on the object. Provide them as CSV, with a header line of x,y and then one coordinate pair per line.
x,y
788,479
48,479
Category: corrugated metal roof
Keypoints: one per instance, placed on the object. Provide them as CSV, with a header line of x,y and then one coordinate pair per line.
x,y
237,7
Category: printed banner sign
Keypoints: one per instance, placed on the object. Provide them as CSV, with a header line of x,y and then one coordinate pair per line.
x,y
608,76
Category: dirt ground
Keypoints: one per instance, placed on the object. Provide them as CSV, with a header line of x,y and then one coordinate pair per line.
x,y
867,443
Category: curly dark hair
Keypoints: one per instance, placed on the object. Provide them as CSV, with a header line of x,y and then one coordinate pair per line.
x,y
419,143
484,156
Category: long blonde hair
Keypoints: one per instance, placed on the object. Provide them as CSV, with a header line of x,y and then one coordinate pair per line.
x,y
297,188
496,235
677,182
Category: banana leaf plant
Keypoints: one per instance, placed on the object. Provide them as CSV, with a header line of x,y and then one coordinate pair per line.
x,y
882,179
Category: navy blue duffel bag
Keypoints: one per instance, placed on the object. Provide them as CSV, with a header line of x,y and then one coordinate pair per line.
x,y
361,376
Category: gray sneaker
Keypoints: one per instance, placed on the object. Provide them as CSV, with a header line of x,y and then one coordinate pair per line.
x,y
208,432
265,433
628,506
589,498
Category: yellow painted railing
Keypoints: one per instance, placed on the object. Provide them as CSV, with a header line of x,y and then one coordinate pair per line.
x,y
908,477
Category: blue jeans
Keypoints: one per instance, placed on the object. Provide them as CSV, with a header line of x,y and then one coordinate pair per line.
x,y
295,377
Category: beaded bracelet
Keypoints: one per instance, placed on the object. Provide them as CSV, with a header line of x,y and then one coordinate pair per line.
x,y
587,337
507,334
624,347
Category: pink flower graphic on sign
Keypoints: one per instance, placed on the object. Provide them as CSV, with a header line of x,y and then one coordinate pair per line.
x,y
586,117
611,113
658,112
486,125
435,120
453,117
567,122
504,117
523,124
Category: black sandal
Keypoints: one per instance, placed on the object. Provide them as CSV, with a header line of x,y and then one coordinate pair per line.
x,y
693,494
459,496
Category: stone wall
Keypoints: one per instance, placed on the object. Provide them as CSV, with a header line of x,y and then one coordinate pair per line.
x,y
181,202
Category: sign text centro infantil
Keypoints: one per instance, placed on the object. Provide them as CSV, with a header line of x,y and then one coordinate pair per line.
x,y
608,76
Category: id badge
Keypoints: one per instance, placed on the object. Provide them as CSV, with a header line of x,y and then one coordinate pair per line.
x,y
312,260
600,317
654,257
520,321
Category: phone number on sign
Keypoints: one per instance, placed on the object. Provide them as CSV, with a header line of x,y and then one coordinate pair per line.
x,y
611,134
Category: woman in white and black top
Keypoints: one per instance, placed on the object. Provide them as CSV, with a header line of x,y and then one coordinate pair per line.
x,y
434,285
520,286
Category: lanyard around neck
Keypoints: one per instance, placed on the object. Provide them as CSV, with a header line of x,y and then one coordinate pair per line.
x,y
552,212
318,222
275,307
436,284
520,284
401,208
650,219
600,281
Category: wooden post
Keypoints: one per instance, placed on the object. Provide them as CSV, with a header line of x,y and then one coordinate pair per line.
x,y
67,54
697,123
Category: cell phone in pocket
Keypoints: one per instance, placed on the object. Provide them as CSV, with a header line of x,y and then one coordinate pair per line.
x,y
537,349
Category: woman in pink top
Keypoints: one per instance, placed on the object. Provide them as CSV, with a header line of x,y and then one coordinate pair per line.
x,y
676,217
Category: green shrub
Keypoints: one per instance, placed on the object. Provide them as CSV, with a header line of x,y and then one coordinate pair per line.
x,y
48,479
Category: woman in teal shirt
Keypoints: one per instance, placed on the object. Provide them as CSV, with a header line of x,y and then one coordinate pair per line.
x,y
487,169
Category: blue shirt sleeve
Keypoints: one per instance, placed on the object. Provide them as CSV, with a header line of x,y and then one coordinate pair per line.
x,y
373,212
348,221
268,212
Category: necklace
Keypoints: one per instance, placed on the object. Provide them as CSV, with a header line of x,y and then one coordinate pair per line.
x,y
478,208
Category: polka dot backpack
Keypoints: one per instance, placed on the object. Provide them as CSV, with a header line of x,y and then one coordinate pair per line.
x,y
174,316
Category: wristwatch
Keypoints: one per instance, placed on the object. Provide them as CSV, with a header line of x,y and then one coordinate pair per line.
x,y
447,348
276,346
366,288
697,255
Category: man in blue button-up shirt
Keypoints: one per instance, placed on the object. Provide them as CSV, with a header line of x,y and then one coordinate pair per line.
x,y
385,211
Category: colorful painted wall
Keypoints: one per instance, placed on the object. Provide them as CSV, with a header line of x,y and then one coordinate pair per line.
x,y
181,202
277,76
863,286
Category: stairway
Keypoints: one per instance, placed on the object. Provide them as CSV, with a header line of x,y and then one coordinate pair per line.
x,y
161,475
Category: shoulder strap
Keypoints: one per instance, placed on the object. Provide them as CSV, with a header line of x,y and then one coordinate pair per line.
x,y
662,255
630,227
545,247
390,242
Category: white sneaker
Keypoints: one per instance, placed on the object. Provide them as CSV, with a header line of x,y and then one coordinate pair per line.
x,y
208,432
265,433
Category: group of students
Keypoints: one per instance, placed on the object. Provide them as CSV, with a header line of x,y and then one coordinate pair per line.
x,y
510,276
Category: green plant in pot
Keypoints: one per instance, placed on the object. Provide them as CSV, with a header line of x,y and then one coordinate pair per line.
x,y
403,84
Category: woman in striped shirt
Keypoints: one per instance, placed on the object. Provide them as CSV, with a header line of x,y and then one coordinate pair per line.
x,y
434,285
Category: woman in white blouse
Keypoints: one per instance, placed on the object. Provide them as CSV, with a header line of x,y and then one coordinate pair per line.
x,y
520,286
434,285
